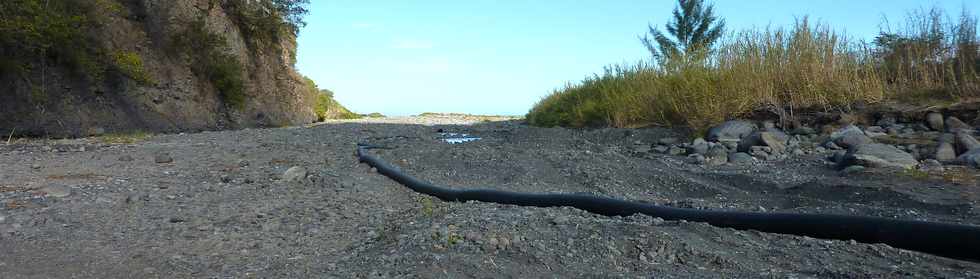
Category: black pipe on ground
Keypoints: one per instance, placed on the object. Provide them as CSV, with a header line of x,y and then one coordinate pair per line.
x,y
941,239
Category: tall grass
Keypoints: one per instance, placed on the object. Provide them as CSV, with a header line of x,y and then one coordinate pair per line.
x,y
930,54
806,66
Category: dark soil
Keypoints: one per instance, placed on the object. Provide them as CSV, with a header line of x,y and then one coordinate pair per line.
x,y
221,208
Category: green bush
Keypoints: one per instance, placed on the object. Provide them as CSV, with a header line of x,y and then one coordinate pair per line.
x,y
130,64
325,106
34,33
209,58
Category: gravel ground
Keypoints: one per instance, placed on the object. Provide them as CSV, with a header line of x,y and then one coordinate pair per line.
x,y
222,204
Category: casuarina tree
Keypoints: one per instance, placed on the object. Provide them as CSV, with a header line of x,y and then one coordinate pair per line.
x,y
693,28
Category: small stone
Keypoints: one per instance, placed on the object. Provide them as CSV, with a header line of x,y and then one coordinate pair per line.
x,y
717,155
163,158
46,148
852,170
243,163
740,158
935,121
295,174
36,166
57,191
849,136
225,179
126,158
697,159
667,141
661,149
819,149
798,152
970,158
677,151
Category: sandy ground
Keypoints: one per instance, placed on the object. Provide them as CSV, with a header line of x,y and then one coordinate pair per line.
x,y
217,205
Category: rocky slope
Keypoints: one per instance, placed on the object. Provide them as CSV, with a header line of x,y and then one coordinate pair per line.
x,y
173,65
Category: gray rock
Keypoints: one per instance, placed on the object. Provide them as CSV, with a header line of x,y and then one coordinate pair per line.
x,y
970,158
163,158
755,139
126,158
852,170
761,151
729,144
697,159
36,166
773,141
945,152
819,149
965,142
661,149
837,157
295,174
699,146
733,130
243,163
717,155
57,191
849,136
798,152
875,155
955,125
676,151
894,131
874,129
935,121
740,158
667,141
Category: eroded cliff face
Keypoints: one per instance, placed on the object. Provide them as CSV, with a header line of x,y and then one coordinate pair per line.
x,y
173,91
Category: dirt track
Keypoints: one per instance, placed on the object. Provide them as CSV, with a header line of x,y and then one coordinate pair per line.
x,y
221,209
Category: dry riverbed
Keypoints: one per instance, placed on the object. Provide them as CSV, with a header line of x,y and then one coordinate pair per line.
x,y
295,203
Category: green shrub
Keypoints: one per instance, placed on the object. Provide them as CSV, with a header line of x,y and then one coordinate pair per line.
x,y
130,64
325,106
38,32
209,58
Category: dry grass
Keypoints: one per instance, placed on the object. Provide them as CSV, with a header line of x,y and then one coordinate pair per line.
x,y
808,66
124,138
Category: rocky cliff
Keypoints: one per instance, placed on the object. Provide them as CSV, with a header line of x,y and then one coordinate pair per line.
x,y
106,66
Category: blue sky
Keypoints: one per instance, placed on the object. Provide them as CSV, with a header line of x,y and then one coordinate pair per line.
x,y
403,57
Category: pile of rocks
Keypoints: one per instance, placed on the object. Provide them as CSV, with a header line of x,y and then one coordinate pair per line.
x,y
740,142
888,143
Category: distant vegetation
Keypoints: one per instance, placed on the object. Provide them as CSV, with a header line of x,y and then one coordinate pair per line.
x,y
807,66
326,107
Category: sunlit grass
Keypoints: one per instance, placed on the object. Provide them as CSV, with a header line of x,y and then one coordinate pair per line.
x,y
808,66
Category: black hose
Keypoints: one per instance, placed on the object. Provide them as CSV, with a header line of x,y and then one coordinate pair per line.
x,y
942,239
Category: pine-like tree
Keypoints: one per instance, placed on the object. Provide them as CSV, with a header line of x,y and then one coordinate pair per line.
x,y
694,28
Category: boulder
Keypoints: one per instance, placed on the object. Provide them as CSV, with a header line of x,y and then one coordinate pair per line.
x,y
945,152
874,155
955,125
733,130
935,121
970,158
755,139
774,141
965,142
849,136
